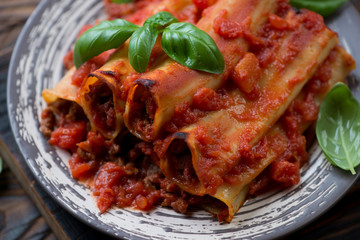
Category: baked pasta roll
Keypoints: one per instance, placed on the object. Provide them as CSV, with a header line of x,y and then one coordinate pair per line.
x,y
153,97
213,145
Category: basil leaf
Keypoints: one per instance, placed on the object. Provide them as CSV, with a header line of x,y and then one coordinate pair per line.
x,y
121,1
104,36
338,128
323,7
141,45
192,47
161,20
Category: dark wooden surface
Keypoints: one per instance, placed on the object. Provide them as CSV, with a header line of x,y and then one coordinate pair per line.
x,y
19,218
27,212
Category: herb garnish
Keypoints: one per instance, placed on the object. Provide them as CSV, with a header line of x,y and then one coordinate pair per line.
x,y
183,42
323,7
338,128
140,46
104,36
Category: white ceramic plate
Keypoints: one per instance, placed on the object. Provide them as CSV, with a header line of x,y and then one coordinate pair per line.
x,y
37,64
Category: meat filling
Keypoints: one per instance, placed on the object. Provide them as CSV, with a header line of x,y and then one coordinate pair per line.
x,y
180,164
101,101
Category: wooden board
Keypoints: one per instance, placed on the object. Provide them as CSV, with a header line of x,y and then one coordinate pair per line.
x,y
40,217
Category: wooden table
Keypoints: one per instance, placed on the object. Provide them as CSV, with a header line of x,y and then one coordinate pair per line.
x,y
27,212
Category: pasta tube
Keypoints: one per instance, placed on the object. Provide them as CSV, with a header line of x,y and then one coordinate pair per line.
x,y
153,97
209,154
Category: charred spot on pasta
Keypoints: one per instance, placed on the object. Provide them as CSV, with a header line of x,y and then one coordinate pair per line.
x,y
110,73
148,83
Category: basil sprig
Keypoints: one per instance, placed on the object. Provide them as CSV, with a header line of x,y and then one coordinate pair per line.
x,y
323,7
183,42
143,39
338,128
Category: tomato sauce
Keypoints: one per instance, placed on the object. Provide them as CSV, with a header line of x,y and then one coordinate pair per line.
x,y
68,135
286,169
227,28
203,4
246,75
209,144
123,171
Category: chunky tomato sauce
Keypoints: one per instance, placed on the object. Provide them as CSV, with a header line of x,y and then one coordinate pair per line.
x,y
122,172
245,76
286,169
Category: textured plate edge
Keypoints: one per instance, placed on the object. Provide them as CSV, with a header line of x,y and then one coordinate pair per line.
x,y
14,128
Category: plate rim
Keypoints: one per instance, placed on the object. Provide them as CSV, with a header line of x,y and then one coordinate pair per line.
x,y
15,129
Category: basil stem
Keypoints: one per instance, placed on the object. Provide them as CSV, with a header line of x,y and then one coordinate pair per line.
x,y
140,46
161,20
121,1
323,7
338,128
183,42
104,36
192,47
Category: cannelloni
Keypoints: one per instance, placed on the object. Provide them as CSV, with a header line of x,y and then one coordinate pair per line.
x,y
177,137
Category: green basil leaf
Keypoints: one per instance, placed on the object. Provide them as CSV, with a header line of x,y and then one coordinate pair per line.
x,y
338,128
323,7
141,45
121,1
192,47
104,36
161,20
